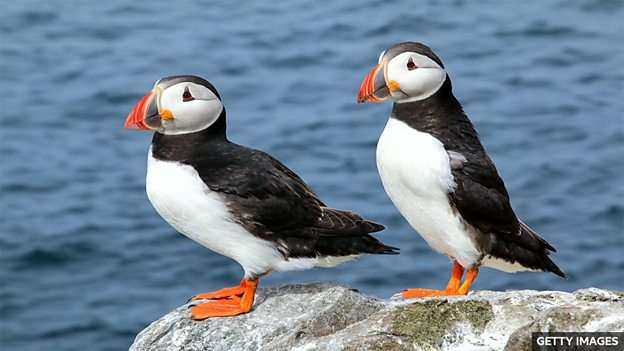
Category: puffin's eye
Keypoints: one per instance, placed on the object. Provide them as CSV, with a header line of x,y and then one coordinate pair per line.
x,y
411,65
186,96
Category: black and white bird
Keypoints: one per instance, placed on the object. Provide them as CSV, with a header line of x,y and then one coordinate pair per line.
x,y
236,201
435,170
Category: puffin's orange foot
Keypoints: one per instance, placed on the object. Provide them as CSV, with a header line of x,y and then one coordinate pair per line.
x,y
414,293
453,288
219,308
226,302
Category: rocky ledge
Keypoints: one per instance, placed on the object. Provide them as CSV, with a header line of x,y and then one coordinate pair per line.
x,y
334,317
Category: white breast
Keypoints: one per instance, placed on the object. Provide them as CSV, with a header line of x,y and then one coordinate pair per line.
x,y
180,197
415,172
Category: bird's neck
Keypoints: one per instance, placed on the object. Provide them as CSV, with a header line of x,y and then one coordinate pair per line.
x,y
440,114
183,147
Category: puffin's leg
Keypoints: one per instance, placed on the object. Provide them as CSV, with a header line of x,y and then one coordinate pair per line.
x,y
226,307
471,275
452,288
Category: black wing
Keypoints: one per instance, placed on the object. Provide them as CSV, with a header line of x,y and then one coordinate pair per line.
x,y
482,200
480,195
275,204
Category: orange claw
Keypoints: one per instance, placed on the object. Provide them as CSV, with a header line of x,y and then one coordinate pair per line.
x,y
453,287
229,301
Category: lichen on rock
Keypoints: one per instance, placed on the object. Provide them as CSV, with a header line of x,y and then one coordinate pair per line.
x,y
427,322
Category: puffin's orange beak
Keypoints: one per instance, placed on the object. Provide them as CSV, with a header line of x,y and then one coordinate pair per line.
x,y
373,87
137,117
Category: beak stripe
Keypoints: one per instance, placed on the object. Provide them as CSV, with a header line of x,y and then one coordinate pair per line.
x,y
367,88
136,117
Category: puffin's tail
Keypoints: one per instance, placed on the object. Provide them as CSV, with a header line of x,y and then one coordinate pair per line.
x,y
552,267
546,262
528,249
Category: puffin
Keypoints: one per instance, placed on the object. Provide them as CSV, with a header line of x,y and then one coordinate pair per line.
x,y
236,201
436,172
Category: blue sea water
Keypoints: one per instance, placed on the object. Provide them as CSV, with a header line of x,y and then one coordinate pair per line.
x,y
86,263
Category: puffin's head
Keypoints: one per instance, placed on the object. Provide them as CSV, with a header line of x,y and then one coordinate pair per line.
x,y
405,72
177,105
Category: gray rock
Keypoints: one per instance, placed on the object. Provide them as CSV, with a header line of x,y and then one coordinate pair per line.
x,y
334,317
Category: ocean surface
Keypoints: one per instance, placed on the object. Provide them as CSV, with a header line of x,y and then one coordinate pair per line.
x,y
86,263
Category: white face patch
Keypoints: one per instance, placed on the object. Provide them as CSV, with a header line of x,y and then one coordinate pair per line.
x,y
196,113
418,76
